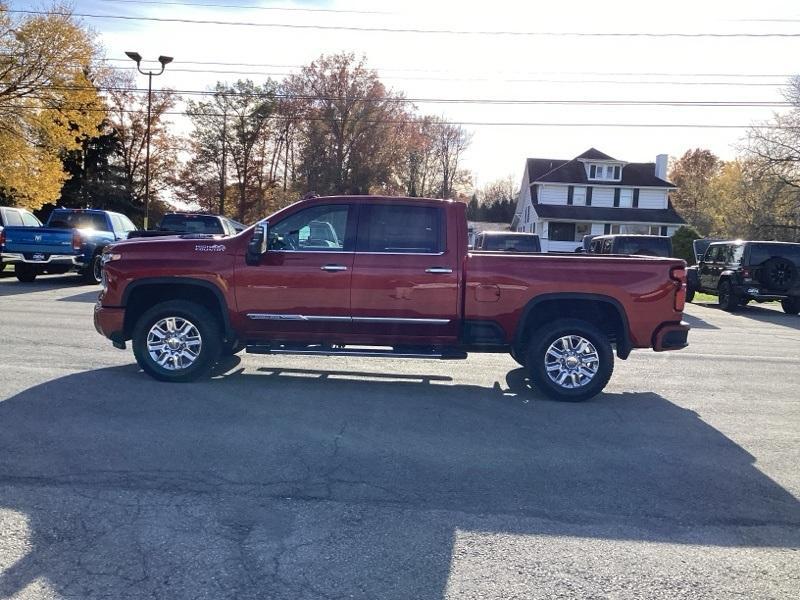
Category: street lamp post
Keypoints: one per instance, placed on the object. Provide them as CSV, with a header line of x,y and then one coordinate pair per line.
x,y
164,60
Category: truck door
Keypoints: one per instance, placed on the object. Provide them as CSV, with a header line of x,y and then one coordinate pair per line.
x,y
300,291
406,274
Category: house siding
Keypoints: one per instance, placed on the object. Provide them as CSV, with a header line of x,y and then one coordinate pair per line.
x,y
603,196
553,194
652,198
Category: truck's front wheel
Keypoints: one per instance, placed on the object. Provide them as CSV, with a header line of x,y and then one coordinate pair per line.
x,y
177,341
570,360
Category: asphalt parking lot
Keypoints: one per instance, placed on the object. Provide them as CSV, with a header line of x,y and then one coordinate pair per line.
x,y
287,477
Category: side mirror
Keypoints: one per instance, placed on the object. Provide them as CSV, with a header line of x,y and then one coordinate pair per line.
x,y
257,246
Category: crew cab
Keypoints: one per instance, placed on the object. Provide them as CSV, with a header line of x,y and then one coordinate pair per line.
x,y
508,241
738,272
377,276
71,240
181,223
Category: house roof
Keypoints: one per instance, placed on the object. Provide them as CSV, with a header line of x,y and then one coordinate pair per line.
x,y
661,216
548,170
595,154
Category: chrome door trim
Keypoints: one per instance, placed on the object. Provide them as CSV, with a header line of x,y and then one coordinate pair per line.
x,y
400,320
337,319
284,317
438,270
333,268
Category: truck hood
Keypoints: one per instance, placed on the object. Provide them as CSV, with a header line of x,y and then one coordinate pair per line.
x,y
167,246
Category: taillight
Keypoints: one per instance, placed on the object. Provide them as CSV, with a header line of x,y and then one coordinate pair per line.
x,y
2,237
77,240
678,275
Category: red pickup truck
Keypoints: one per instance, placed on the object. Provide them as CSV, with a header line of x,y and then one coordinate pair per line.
x,y
377,276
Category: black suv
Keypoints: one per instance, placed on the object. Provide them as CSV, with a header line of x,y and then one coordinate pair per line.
x,y
738,272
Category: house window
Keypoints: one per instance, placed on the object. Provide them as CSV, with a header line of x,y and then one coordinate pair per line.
x,y
605,172
562,232
626,197
614,229
579,196
582,229
527,214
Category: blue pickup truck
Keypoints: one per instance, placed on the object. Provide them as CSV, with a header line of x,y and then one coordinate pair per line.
x,y
71,240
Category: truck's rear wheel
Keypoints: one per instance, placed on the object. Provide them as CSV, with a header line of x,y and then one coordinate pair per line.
x,y
570,360
94,270
177,341
791,306
25,273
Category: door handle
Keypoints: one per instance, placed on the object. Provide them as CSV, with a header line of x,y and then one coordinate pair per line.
x,y
438,270
333,268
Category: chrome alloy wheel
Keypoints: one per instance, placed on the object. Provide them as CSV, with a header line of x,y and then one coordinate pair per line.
x,y
174,343
571,361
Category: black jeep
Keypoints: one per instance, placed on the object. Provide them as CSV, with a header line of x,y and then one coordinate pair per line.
x,y
738,272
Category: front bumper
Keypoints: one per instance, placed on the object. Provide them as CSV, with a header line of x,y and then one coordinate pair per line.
x,y
110,322
671,336
53,259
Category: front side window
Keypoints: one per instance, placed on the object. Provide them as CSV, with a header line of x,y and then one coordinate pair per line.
x,y
30,221
314,229
395,228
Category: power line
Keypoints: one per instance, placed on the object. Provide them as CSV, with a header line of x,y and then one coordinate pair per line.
x,y
407,70
490,101
412,122
606,34
255,7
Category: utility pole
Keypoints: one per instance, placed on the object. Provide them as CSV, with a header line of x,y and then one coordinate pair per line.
x,y
164,60
224,174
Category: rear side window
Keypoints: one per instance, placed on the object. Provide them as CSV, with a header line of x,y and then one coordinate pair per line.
x,y
762,252
644,246
12,218
401,229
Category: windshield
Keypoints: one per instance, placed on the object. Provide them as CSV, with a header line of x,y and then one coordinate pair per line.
x,y
77,220
191,224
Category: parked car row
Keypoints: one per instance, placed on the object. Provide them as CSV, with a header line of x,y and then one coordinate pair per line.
x,y
74,239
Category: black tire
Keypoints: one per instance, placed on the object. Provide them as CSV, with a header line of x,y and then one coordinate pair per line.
x,y
791,306
689,293
25,273
209,333
778,273
519,358
539,352
231,348
93,270
728,300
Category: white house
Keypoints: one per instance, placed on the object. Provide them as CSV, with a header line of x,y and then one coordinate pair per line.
x,y
563,200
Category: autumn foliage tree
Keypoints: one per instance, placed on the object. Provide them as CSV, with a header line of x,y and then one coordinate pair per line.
x,y
48,102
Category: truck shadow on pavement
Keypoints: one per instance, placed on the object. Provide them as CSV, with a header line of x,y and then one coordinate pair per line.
x,y
11,287
290,483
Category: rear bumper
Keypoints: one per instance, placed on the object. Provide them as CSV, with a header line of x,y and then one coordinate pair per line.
x,y
53,259
671,336
110,322
760,294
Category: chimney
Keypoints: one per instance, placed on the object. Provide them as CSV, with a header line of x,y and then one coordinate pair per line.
x,y
661,166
